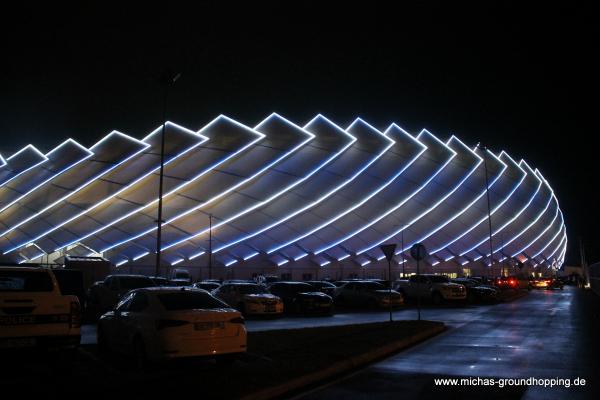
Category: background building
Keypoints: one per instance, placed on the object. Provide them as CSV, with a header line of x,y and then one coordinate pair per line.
x,y
308,201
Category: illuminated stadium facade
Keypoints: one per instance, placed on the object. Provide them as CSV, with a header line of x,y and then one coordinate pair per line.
x,y
314,200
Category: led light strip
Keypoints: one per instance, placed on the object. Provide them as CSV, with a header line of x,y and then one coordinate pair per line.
x,y
372,194
560,228
259,204
35,150
540,214
89,154
467,207
259,136
560,244
209,201
513,218
504,200
538,236
135,258
391,210
127,186
456,187
114,133
322,165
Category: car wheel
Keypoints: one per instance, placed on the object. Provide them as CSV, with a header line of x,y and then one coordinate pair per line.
x,y
437,298
139,354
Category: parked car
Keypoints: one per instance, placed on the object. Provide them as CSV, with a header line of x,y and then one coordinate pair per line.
x,y
179,282
476,291
367,293
181,274
507,282
165,322
300,297
323,286
33,311
208,286
436,288
160,281
104,295
545,283
249,298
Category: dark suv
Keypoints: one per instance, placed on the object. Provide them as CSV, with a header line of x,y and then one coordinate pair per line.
x,y
300,297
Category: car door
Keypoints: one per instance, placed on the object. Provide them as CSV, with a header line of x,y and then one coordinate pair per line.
x,y
135,320
115,328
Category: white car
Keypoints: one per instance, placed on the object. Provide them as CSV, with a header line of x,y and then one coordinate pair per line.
x,y
249,298
166,322
33,311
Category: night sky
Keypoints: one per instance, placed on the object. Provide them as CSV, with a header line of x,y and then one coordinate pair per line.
x,y
522,80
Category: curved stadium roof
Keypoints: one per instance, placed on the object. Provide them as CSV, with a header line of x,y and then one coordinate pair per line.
x,y
278,193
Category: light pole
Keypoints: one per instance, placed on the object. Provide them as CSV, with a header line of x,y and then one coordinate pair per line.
x,y
167,80
402,253
209,246
487,192
388,251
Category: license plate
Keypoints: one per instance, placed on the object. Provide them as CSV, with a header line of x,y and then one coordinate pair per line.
x,y
9,320
205,326
18,342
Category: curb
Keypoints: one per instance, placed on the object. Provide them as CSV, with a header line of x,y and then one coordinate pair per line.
x,y
344,366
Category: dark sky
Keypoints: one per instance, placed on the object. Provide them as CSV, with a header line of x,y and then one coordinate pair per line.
x,y
523,80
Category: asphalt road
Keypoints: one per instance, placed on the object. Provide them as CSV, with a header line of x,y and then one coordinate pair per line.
x,y
548,334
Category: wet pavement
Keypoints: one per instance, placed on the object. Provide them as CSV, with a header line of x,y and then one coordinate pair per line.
x,y
547,334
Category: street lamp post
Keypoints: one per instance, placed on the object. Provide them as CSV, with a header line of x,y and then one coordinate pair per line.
x,y
402,253
209,246
487,192
167,80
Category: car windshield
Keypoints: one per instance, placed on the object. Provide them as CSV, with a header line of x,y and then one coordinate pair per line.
x,y
188,300
25,281
134,282
438,278
370,286
252,289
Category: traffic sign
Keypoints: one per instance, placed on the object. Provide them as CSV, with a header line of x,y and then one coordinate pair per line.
x,y
388,250
418,251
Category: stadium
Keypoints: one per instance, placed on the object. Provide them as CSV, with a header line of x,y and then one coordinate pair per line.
x,y
298,201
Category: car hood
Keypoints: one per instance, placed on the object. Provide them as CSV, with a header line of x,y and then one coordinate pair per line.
x,y
484,288
261,296
451,284
386,292
314,295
